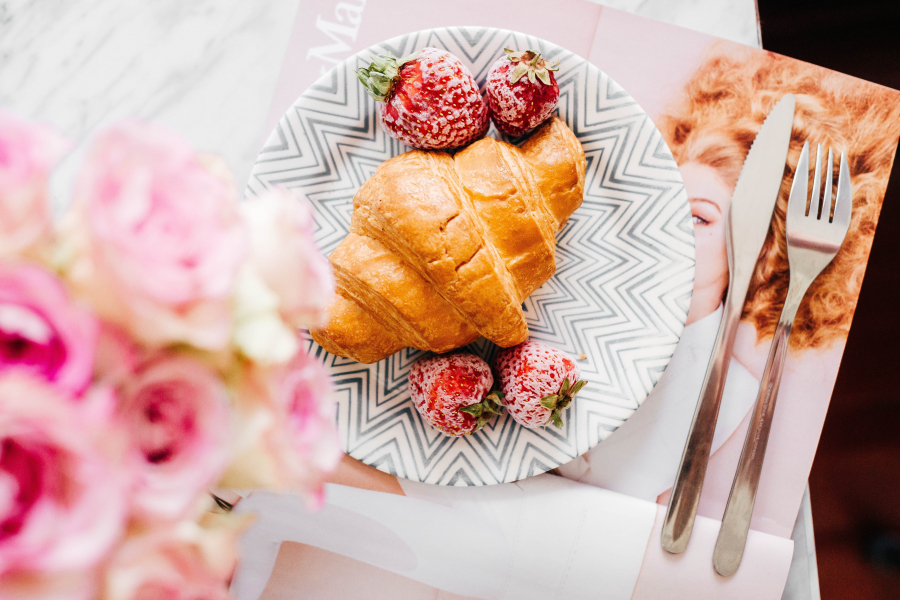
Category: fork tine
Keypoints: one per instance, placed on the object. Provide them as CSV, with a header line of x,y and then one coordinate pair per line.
x,y
843,203
798,198
814,206
826,199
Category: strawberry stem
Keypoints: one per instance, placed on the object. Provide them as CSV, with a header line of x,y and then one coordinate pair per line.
x,y
381,75
485,410
558,402
531,64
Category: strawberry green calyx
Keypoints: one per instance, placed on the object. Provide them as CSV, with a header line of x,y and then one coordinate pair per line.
x,y
380,76
531,64
485,410
556,403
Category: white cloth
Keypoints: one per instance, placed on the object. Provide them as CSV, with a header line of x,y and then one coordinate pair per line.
x,y
641,458
536,539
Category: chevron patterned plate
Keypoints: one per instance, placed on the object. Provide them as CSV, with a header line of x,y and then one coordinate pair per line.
x,y
625,264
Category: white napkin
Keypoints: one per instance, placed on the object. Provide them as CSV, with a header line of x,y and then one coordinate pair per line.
x,y
541,538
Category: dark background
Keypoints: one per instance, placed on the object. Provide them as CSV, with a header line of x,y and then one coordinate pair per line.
x,y
855,480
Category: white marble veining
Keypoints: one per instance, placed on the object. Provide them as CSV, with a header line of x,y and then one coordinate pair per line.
x,y
206,68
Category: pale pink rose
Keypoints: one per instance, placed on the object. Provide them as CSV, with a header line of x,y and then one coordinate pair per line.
x,y
304,397
289,437
165,235
28,152
181,562
63,487
42,331
176,410
283,252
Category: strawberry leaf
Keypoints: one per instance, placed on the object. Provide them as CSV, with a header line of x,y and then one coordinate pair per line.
x,y
473,409
577,387
381,75
549,402
557,419
519,72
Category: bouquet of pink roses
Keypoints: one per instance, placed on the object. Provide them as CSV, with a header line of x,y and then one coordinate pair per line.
x,y
148,354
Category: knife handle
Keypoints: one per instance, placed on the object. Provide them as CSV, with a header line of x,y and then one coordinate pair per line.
x,y
685,497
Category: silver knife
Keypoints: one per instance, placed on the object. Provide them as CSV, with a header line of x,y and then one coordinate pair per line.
x,y
749,216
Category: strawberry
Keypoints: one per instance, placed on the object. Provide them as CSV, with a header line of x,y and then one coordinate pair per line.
x,y
428,100
451,392
521,91
538,382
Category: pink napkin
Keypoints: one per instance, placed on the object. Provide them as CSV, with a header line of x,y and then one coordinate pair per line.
x,y
690,576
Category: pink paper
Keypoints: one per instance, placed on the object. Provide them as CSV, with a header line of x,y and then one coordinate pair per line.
x,y
690,576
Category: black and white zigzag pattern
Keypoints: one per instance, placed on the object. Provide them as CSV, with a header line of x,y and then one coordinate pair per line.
x,y
625,264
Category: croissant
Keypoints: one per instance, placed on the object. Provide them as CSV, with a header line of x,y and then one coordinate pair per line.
x,y
444,249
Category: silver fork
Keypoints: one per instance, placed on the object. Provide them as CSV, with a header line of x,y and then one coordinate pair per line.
x,y
812,241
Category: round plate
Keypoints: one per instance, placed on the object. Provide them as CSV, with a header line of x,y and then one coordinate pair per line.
x,y
625,264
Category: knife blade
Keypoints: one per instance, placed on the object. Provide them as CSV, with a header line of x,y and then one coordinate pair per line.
x,y
749,216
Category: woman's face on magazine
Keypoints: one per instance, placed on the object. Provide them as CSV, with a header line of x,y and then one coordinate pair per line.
x,y
709,197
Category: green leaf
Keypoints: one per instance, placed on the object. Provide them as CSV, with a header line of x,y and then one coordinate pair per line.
x,y
531,77
473,409
549,402
406,59
565,387
378,78
577,387
557,420
519,72
544,76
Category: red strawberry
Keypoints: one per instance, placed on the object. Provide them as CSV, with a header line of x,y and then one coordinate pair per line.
x,y
451,392
428,100
521,91
538,383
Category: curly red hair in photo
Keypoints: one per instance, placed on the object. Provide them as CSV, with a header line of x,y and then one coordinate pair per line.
x,y
725,102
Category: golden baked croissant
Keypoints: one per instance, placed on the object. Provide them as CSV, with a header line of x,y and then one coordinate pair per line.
x,y
443,249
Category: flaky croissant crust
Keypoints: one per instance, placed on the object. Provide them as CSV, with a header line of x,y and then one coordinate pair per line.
x,y
443,249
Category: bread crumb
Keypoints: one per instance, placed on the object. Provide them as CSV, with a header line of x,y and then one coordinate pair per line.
x,y
582,356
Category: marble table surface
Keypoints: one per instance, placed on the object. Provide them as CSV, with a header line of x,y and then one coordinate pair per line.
x,y
208,69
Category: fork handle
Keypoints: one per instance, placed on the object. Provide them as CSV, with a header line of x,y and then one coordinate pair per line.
x,y
732,538
685,496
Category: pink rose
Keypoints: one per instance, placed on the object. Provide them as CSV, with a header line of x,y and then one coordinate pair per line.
x,y
176,410
42,331
63,490
182,562
165,236
288,414
283,252
307,420
28,152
